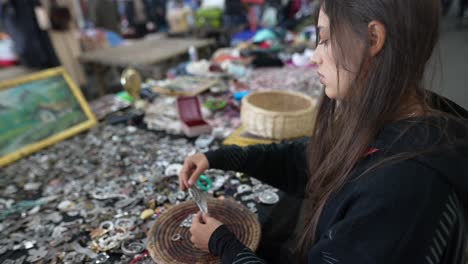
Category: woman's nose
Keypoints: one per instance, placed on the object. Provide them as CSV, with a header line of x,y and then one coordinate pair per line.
x,y
316,58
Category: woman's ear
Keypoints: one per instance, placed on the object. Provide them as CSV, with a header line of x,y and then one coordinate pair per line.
x,y
377,36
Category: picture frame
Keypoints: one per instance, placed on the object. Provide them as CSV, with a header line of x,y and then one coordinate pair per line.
x,y
185,86
39,110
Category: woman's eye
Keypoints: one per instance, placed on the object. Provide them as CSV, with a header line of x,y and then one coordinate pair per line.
x,y
323,42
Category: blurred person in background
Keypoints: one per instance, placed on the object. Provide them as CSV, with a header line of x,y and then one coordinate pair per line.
x,y
64,33
104,14
138,17
234,14
31,42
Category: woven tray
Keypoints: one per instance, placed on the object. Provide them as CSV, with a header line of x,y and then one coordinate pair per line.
x,y
162,249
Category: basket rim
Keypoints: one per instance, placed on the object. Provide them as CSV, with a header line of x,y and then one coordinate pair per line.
x,y
313,102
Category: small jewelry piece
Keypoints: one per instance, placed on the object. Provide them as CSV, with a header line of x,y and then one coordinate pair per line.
x,y
172,198
121,233
107,243
204,183
243,188
29,244
180,195
251,204
131,248
248,197
101,258
187,223
268,197
215,104
99,194
176,237
124,223
125,202
107,225
199,199
90,216
161,199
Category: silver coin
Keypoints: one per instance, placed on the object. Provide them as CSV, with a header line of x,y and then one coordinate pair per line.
x,y
268,197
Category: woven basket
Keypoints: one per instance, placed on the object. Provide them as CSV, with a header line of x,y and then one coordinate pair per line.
x,y
243,223
278,114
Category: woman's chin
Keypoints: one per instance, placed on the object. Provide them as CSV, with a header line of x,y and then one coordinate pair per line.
x,y
330,92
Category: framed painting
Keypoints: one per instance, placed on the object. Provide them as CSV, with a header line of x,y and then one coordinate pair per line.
x,y
39,110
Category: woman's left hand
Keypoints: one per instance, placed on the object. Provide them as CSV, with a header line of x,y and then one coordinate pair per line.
x,y
202,228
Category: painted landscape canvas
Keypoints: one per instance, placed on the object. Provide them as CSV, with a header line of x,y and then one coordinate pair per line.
x,y
37,110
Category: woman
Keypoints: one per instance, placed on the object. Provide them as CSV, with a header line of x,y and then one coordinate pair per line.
x,y
65,40
385,171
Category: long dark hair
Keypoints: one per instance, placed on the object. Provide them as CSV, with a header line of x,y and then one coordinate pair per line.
x,y
385,89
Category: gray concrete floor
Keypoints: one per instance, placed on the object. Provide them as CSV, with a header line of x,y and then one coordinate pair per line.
x,y
451,60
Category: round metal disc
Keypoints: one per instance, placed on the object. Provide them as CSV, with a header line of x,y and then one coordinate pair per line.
x,y
268,197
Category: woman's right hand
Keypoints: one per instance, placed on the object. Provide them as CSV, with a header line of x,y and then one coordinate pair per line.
x,y
193,167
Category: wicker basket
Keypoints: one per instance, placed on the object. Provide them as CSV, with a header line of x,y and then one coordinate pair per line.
x,y
163,250
278,114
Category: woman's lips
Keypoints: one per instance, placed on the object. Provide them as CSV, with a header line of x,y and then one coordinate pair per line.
x,y
322,78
